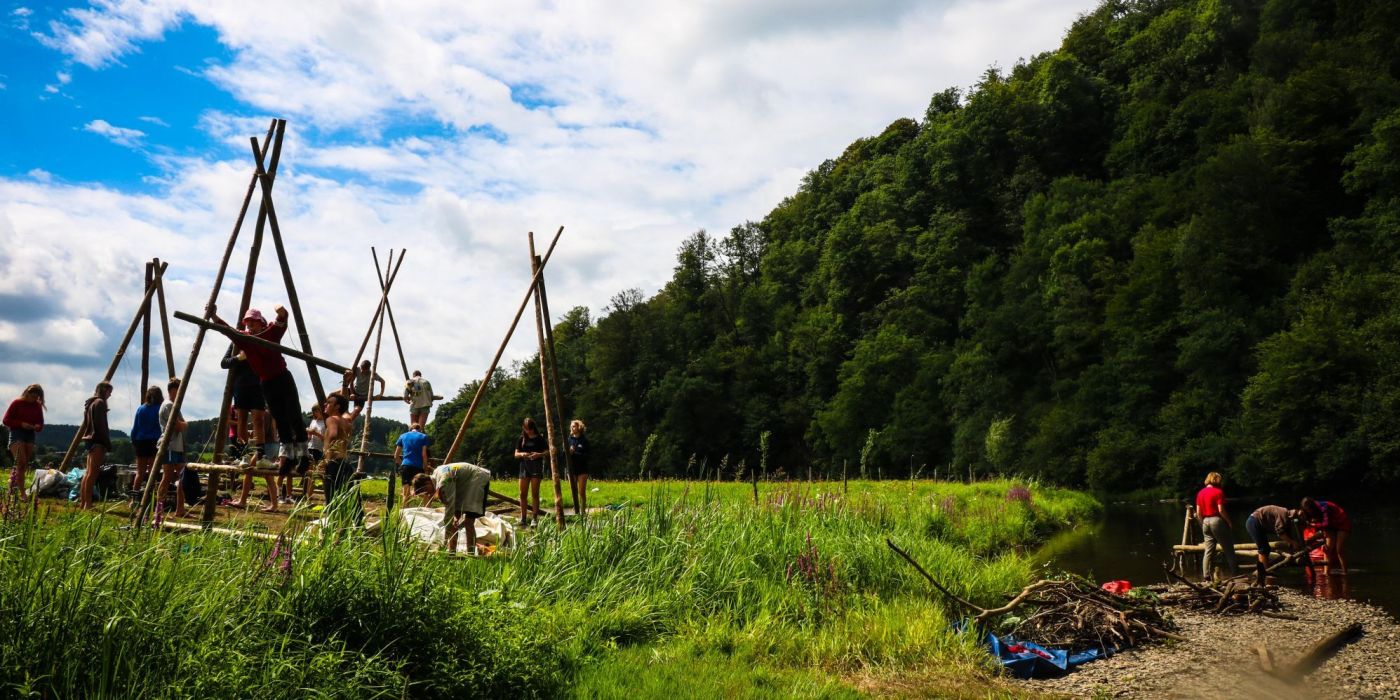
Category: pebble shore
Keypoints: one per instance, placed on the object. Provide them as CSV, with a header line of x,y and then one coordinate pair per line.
x,y
1220,659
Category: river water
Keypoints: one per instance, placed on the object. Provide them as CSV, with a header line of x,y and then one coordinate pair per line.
x,y
1132,540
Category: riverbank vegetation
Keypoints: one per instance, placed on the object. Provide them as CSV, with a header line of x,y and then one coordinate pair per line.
x,y
1163,249
691,586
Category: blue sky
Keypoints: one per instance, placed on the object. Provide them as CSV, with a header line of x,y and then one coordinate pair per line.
x,y
444,127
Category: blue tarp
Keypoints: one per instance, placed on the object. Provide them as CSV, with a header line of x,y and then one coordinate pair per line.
x,y
1030,660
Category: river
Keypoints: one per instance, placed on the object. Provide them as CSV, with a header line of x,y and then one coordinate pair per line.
x,y
1132,540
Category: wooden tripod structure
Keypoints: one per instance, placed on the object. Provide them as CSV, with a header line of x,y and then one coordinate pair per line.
x,y
531,293
155,271
376,327
266,157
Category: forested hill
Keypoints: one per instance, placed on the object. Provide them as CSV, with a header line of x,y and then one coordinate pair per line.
x,y
1168,247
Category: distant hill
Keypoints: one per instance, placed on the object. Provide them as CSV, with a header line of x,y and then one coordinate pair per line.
x,y
58,436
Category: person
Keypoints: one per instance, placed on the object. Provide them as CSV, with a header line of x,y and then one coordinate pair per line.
x,y
462,488
1215,524
361,381
1264,524
173,461
98,439
1335,525
530,449
315,444
418,393
145,434
248,403
24,418
269,434
278,388
412,446
578,464
338,470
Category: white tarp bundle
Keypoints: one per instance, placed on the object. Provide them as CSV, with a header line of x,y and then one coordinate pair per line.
x,y
426,524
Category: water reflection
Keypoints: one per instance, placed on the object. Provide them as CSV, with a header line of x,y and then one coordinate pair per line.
x,y
1133,540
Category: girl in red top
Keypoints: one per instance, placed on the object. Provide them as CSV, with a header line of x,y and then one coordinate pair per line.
x,y
1215,525
24,418
1335,526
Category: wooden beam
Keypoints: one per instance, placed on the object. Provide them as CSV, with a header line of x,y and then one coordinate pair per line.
x,y
146,332
245,300
388,308
230,333
164,329
397,398
554,381
378,310
1320,652
486,381
374,371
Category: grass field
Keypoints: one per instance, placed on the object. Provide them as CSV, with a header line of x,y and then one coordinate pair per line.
x,y
683,589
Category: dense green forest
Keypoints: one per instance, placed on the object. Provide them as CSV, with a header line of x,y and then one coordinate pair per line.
x,y
1167,247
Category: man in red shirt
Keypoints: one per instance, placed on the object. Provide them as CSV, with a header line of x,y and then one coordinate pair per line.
x,y
1215,524
279,390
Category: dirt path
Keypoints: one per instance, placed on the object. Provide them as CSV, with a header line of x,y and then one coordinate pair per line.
x,y
1220,660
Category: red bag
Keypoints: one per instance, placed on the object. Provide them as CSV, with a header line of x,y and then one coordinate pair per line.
x,y
1117,587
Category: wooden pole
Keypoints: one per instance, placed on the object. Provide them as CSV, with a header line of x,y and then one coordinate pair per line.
x,y
116,362
146,494
383,295
146,330
389,309
1320,652
544,388
292,300
481,388
245,300
554,381
164,329
369,408
229,332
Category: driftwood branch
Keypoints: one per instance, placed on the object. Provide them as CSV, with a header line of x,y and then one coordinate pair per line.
x,y
905,555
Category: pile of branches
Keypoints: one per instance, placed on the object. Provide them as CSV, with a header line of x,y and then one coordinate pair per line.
x,y
1236,596
1069,611
1074,613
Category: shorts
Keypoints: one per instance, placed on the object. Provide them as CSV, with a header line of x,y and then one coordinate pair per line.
x,y
533,469
286,464
408,471
1259,535
174,457
249,398
579,468
20,435
463,492
145,448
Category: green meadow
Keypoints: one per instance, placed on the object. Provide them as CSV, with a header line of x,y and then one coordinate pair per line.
x,y
678,588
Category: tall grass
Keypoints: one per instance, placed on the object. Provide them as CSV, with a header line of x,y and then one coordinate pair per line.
x,y
800,585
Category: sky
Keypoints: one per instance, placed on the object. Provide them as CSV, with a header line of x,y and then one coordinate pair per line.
x,y
446,129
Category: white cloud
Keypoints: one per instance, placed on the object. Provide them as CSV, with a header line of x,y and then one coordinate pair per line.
x,y
64,78
21,12
121,136
154,120
633,133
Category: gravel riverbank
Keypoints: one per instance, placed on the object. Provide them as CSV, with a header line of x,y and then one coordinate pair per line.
x,y
1220,658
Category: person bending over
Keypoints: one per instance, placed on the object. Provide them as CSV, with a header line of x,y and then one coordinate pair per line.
x,y
462,489
278,388
1336,528
1264,524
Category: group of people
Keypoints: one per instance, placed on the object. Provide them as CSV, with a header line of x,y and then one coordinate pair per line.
x,y
1325,519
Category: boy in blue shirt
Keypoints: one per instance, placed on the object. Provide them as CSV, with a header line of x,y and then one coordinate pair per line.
x,y
412,447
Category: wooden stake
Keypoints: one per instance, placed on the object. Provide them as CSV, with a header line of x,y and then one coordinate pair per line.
x,y
481,388
140,513
229,332
245,300
287,280
369,408
544,388
388,308
164,329
116,362
146,331
554,380
383,295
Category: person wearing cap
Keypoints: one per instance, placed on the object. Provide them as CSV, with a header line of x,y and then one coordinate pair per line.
x,y
278,387
418,394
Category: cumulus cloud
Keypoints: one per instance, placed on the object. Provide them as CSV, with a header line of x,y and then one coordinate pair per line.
x,y
452,129
119,135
